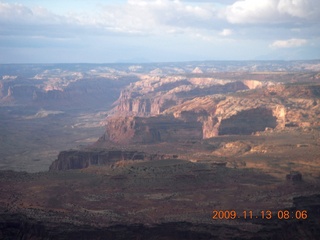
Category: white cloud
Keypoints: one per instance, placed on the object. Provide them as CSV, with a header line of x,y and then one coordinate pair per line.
x,y
296,8
250,11
13,11
272,11
18,13
291,43
23,21
226,32
157,16
160,27
133,16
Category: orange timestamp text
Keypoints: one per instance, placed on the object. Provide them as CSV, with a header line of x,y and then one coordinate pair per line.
x,y
264,214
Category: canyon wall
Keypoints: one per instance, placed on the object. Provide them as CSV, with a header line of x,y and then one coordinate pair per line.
x,y
78,159
247,122
150,130
153,95
65,90
241,113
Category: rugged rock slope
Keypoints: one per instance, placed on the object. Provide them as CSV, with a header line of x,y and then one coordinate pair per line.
x,y
63,88
152,95
75,159
273,107
150,130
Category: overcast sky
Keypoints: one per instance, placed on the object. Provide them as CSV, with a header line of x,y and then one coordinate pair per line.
x,y
102,31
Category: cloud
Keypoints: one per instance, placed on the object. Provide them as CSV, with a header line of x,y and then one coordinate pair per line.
x,y
160,16
19,20
131,17
226,32
159,27
18,13
291,43
250,11
297,8
272,11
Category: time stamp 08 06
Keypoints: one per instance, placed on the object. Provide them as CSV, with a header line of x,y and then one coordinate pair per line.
x,y
264,214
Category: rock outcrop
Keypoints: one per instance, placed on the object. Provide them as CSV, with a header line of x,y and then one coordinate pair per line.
x,y
79,159
244,116
151,130
242,113
58,88
133,104
294,176
153,95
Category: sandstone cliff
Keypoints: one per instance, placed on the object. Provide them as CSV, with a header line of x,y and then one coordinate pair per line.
x,y
79,159
238,115
254,111
152,95
150,130
243,113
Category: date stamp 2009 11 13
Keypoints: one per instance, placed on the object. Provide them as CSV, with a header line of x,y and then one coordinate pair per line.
x,y
264,214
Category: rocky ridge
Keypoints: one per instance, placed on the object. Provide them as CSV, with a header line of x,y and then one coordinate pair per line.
x,y
60,87
175,198
75,159
265,107
246,112
152,95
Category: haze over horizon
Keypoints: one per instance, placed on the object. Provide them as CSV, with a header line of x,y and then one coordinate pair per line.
x,y
103,31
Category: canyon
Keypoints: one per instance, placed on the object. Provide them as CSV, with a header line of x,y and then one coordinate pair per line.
x,y
274,106
152,151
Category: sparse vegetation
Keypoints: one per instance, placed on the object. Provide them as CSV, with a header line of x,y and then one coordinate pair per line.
x,y
160,177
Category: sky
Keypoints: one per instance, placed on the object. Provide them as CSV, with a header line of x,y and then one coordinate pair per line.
x,y
109,31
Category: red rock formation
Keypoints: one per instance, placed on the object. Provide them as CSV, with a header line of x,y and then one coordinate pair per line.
x,y
210,116
150,130
76,159
153,95
247,122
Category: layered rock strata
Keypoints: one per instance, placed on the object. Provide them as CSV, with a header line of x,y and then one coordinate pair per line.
x,y
151,130
77,159
153,95
244,113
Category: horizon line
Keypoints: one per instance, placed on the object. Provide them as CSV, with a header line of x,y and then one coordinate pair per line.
x,y
159,62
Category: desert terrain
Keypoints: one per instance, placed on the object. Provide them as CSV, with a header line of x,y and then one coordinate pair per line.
x,y
195,150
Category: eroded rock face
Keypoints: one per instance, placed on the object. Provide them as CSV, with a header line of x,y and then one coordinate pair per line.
x,y
255,111
247,122
232,115
57,88
153,95
214,115
138,105
294,176
191,125
77,159
151,130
